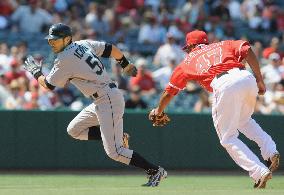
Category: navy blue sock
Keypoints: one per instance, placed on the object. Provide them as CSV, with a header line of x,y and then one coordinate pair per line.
x,y
94,133
139,161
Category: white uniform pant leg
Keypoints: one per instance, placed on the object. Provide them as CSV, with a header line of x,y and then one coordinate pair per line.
x,y
226,111
78,128
110,110
251,129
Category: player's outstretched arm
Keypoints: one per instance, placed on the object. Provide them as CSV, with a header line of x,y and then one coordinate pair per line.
x,y
163,103
254,65
128,68
157,115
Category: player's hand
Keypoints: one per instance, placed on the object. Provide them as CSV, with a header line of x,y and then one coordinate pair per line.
x,y
152,114
32,65
261,87
130,70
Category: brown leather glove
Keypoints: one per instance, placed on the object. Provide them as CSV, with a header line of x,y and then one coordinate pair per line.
x,y
159,120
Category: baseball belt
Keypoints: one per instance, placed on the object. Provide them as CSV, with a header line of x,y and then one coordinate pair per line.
x,y
226,72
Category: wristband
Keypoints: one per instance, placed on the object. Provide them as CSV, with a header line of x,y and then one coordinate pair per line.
x,y
37,75
123,62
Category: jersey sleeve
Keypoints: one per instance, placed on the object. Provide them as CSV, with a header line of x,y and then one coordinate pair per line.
x,y
58,76
240,48
97,46
177,82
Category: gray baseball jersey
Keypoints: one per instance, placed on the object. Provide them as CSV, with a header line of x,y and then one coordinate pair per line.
x,y
79,64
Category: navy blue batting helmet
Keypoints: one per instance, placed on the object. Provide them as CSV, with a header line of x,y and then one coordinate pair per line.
x,y
58,31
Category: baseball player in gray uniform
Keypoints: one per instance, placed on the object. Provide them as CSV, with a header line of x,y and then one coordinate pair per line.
x,y
78,63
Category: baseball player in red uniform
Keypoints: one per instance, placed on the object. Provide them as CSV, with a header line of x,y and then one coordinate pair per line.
x,y
217,67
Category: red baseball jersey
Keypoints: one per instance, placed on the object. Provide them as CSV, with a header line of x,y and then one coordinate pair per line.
x,y
205,62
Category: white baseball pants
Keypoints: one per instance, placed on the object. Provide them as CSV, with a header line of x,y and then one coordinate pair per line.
x,y
233,104
106,111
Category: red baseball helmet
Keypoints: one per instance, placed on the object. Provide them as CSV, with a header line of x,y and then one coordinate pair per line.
x,y
196,37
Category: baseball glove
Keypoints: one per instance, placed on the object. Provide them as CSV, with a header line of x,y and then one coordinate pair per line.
x,y
125,140
159,120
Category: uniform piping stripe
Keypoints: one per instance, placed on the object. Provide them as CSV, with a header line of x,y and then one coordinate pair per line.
x,y
216,115
240,51
113,129
173,86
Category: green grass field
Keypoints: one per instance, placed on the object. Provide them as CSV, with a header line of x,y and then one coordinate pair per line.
x,y
85,184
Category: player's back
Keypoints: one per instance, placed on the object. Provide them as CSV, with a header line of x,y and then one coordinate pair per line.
x,y
80,65
82,61
206,61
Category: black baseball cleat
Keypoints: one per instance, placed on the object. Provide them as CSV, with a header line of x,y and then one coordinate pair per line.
x,y
154,179
262,181
273,162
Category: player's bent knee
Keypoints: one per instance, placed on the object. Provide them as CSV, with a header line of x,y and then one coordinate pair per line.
x,y
71,130
118,155
227,142
113,156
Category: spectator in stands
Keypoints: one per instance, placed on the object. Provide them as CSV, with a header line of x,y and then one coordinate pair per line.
x,y
261,107
144,79
273,102
269,18
192,10
66,96
97,21
33,103
271,72
272,78
154,4
118,77
22,49
31,18
278,97
135,101
60,6
257,49
167,51
15,72
234,7
175,31
273,47
282,70
221,10
47,99
7,7
280,20
203,104
250,8
124,6
151,32
32,87
92,13
4,58
122,35
216,26
163,74
15,100
4,92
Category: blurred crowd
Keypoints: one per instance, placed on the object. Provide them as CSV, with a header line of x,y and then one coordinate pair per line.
x,y
151,34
